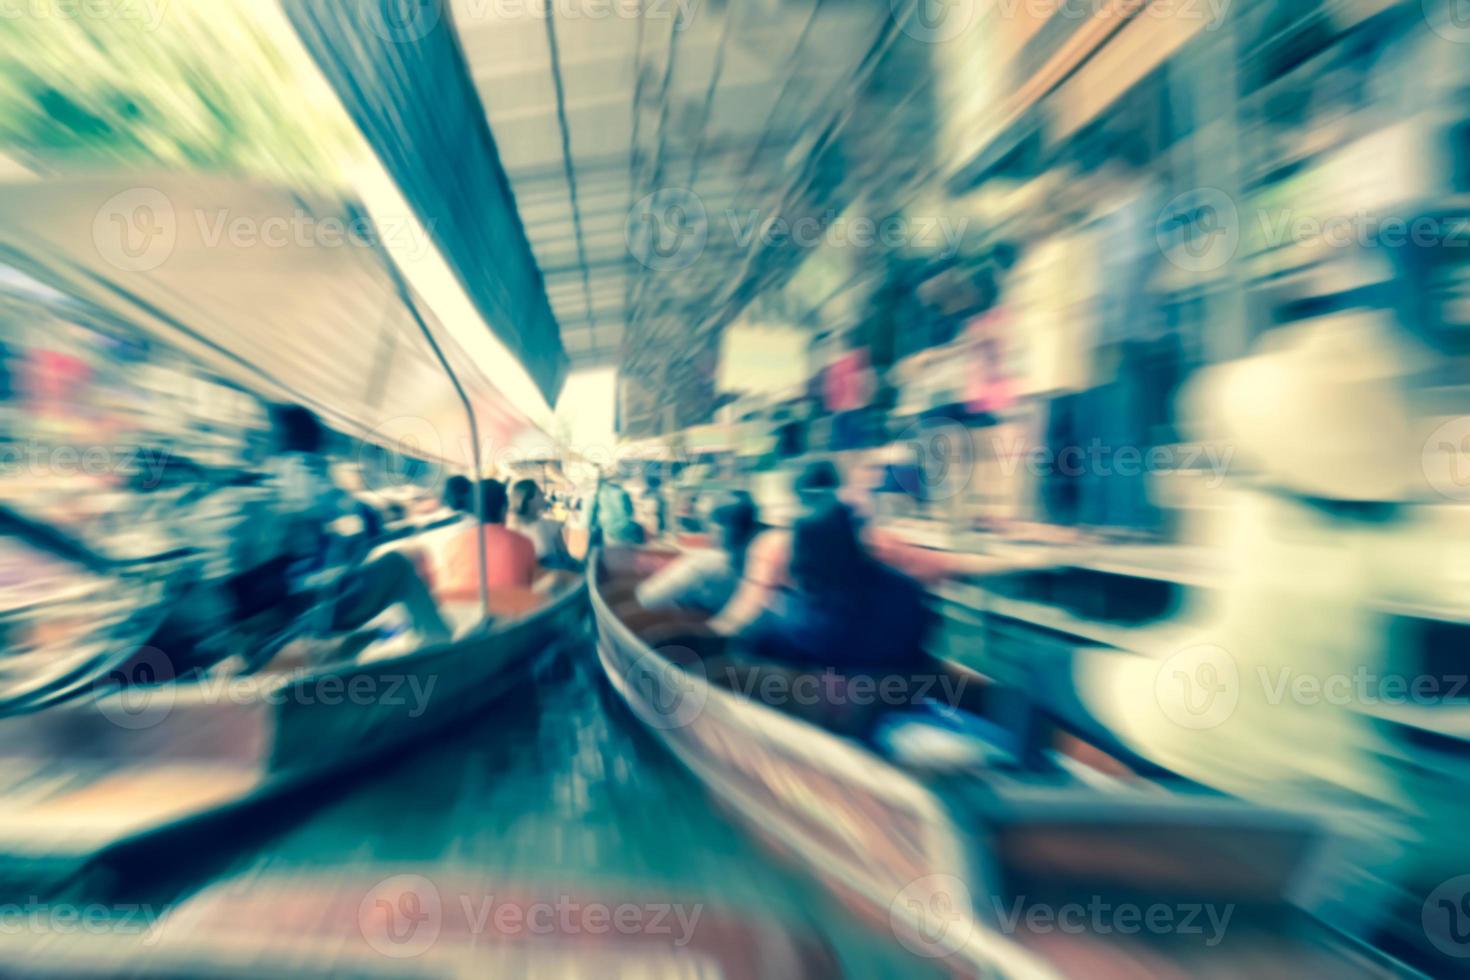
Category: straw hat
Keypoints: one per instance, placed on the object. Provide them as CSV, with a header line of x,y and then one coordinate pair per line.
x,y
1321,410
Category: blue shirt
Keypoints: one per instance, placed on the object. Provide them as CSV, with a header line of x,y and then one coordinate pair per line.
x,y
880,624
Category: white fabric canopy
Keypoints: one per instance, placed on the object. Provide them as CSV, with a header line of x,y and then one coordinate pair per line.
x,y
280,293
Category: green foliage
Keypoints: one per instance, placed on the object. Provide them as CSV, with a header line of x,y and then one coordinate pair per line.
x,y
191,84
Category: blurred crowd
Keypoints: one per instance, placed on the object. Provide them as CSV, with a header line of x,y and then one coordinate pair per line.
x,y
1229,316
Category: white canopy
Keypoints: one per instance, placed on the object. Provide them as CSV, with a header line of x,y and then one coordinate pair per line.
x,y
282,294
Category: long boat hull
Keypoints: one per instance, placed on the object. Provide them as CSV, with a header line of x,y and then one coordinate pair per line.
x,y
180,754
931,870
451,682
870,832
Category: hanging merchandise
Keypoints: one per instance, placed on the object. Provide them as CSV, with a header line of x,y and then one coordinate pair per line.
x,y
848,383
989,376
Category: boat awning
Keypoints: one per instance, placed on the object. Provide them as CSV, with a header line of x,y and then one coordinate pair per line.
x,y
279,293
401,75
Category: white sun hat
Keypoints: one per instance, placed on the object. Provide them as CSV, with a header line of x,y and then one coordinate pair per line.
x,y
1321,410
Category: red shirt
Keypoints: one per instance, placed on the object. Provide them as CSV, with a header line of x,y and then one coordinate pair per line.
x,y
510,562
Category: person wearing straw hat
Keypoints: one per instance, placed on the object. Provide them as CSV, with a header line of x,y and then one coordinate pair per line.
x,y
1272,692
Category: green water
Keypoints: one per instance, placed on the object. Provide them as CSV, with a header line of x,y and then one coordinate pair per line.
x,y
557,786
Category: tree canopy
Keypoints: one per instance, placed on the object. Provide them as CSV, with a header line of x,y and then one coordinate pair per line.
x,y
192,84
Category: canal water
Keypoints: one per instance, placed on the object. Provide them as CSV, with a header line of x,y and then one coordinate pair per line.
x,y
555,811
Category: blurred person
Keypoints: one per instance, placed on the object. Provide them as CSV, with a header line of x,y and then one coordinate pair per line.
x,y
703,580
1329,530
378,585
306,503
768,561
279,540
687,518
283,534
430,550
767,564
459,495
528,516
510,556
894,482
611,519
844,610
652,509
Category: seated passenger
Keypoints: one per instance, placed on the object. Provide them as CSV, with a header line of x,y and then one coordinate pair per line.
x,y
510,557
528,516
845,610
307,497
379,584
458,495
612,518
767,567
767,564
686,514
280,539
651,508
704,580
429,550
278,543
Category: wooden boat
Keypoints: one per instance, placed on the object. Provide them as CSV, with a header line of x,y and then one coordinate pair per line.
x,y
948,864
97,768
162,757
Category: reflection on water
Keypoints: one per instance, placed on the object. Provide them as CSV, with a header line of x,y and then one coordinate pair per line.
x,y
556,805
